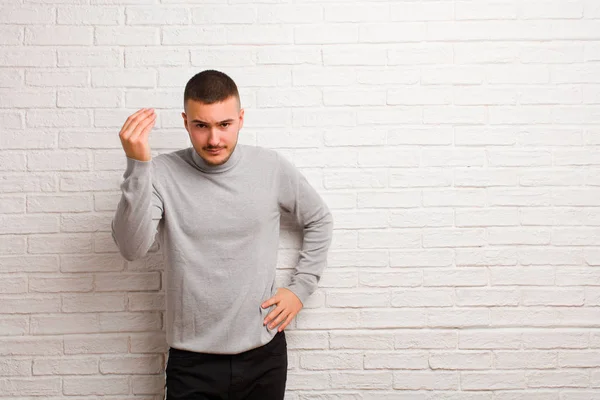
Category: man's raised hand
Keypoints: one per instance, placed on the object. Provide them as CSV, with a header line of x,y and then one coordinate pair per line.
x,y
134,134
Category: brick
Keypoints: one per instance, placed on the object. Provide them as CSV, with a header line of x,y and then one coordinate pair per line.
x,y
64,324
26,14
301,97
97,57
42,98
96,344
146,301
28,305
269,55
53,78
65,366
205,35
91,263
89,303
127,36
361,380
151,342
373,278
58,35
487,217
89,98
381,33
155,57
551,9
30,386
150,384
430,11
489,339
356,12
11,35
60,284
357,97
56,204
86,222
287,14
58,161
31,346
486,256
422,298
13,284
14,161
100,386
136,78
98,181
149,15
549,379
491,297
390,200
130,365
460,360
426,380
10,78
493,380
454,115
13,244
354,55
455,277
330,361
483,10
58,118
229,14
28,264
20,224
15,367
330,33
86,15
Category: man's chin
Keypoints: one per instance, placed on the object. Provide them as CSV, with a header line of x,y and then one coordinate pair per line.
x,y
216,159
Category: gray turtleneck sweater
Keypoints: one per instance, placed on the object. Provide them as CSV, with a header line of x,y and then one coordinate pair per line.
x,y
218,229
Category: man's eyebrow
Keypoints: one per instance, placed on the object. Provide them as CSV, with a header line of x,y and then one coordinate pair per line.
x,y
206,123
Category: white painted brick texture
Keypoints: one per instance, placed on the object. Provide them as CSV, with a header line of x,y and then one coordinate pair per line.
x,y
455,141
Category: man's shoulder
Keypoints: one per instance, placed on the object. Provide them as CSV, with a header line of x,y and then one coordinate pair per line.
x,y
262,154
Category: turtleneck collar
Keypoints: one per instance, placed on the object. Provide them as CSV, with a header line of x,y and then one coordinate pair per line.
x,y
235,157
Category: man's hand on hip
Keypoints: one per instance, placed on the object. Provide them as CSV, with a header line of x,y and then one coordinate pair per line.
x,y
288,306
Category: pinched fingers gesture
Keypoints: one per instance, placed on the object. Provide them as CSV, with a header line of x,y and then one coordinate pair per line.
x,y
134,134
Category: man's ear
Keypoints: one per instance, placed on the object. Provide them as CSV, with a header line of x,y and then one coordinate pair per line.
x,y
184,119
241,118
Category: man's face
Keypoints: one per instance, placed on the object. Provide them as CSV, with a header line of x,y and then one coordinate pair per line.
x,y
213,128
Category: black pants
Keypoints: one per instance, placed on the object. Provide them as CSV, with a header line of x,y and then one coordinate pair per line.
x,y
257,374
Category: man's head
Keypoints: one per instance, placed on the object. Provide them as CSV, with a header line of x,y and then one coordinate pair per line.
x,y
212,115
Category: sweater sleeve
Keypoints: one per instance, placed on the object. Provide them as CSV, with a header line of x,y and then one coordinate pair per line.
x,y
299,198
139,211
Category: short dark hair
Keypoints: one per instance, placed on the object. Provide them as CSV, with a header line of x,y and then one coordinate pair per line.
x,y
210,87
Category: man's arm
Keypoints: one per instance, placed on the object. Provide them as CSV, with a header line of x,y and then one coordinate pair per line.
x,y
140,209
300,199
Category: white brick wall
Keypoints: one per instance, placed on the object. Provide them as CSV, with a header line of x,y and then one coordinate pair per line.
x,y
454,140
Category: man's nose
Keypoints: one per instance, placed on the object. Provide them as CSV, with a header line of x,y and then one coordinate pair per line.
x,y
213,137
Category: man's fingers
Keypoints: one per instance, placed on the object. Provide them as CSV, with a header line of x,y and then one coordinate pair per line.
x,y
130,118
134,120
288,320
273,314
147,130
280,317
270,302
144,124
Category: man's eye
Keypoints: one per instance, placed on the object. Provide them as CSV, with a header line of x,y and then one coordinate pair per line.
x,y
200,125
225,124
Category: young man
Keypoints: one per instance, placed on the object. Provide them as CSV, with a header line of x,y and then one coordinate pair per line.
x,y
216,208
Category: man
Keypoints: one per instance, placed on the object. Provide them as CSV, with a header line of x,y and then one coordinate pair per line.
x,y
216,209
